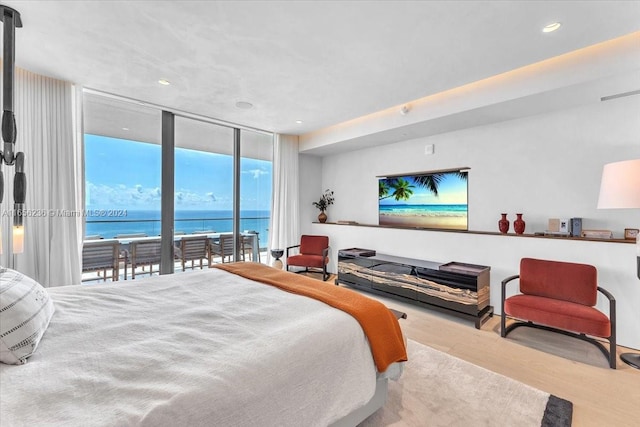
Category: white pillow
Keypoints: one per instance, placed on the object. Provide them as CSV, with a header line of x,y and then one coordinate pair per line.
x,y
25,312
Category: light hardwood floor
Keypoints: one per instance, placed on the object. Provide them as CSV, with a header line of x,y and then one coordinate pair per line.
x,y
601,396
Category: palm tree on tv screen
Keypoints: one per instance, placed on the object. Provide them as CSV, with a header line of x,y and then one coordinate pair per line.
x,y
383,189
431,182
402,189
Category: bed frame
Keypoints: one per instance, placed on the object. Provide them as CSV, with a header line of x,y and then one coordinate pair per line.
x,y
377,401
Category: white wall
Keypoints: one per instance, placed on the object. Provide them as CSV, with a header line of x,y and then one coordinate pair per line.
x,y
310,188
543,166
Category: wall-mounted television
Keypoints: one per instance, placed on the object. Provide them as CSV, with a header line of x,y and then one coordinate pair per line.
x,y
436,200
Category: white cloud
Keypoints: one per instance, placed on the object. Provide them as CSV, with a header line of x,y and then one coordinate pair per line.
x,y
100,196
256,173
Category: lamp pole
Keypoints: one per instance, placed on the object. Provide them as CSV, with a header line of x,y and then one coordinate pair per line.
x,y
11,19
620,189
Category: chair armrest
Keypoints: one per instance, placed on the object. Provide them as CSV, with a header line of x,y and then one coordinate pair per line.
x,y
504,289
325,252
606,293
612,314
291,247
507,280
612,302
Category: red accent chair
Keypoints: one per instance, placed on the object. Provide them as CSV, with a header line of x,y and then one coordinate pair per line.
x,y
313,253
560,297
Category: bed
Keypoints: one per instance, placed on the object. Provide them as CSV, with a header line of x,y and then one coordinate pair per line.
x,y
210,348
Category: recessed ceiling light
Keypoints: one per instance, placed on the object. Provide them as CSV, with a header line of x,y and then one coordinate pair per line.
x,y
164,82
299,122
125,128
244,105
551,27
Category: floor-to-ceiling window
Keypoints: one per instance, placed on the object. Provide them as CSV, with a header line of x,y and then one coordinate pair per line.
x,y
256,177
123,171
203,176
122,168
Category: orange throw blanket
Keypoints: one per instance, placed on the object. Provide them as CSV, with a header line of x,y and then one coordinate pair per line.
x,y
379,324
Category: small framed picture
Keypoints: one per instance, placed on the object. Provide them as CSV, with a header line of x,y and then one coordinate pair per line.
x,y
631,233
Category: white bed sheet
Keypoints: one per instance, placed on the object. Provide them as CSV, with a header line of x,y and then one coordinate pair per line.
x,y
204,348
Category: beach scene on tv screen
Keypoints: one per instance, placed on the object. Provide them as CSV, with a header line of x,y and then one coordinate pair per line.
x,y
427,201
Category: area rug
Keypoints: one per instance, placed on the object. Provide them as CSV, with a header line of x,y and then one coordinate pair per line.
x,y
437,389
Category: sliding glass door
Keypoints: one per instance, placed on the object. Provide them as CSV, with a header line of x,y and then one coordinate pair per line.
x,y
204,178
122,168
256,175
221,183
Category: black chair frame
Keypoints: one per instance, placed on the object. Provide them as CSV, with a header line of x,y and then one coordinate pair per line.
x,y
609,354
325,254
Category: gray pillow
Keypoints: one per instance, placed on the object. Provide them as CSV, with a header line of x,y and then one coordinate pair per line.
x,y
25,312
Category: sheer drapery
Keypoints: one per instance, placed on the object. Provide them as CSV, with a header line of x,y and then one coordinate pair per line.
x,y
284,227
49,125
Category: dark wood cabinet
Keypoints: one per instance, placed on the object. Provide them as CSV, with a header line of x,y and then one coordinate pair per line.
x,y
455,288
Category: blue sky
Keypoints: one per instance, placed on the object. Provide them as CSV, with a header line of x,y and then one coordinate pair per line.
x,y
123,174
452,190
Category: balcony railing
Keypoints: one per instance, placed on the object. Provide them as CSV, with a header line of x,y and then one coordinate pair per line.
x,y
109,228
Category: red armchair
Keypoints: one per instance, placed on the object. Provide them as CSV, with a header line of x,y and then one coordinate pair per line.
x,y
560,296
313,253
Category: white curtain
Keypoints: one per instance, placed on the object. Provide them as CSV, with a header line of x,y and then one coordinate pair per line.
x,y
285,217
49,124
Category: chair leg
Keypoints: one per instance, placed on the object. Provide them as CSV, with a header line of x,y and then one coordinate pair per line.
x,y
503,320
613,347
613,354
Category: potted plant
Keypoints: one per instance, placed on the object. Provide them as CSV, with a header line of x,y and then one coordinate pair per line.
x,y
325,200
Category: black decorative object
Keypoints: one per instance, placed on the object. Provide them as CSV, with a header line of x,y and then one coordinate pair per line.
x,y
277,254
11,20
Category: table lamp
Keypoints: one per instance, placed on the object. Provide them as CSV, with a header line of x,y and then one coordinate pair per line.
x,y
620,189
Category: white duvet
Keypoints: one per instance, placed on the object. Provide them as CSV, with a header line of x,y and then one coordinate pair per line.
x,y
205,348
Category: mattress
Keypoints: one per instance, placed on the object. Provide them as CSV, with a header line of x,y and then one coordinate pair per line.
x,y
201,348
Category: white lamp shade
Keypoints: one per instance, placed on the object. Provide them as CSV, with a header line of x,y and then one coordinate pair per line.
x,y
620,186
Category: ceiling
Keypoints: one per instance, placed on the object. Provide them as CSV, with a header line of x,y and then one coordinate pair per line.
x,y
320,62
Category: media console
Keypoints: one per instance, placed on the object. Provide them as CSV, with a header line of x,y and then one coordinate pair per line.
x,y
454,288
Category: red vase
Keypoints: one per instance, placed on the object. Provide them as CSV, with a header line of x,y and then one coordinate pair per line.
x,y
503,224
518,224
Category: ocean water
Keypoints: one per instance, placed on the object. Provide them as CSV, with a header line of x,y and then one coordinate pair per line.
x,y
110,223
424,210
